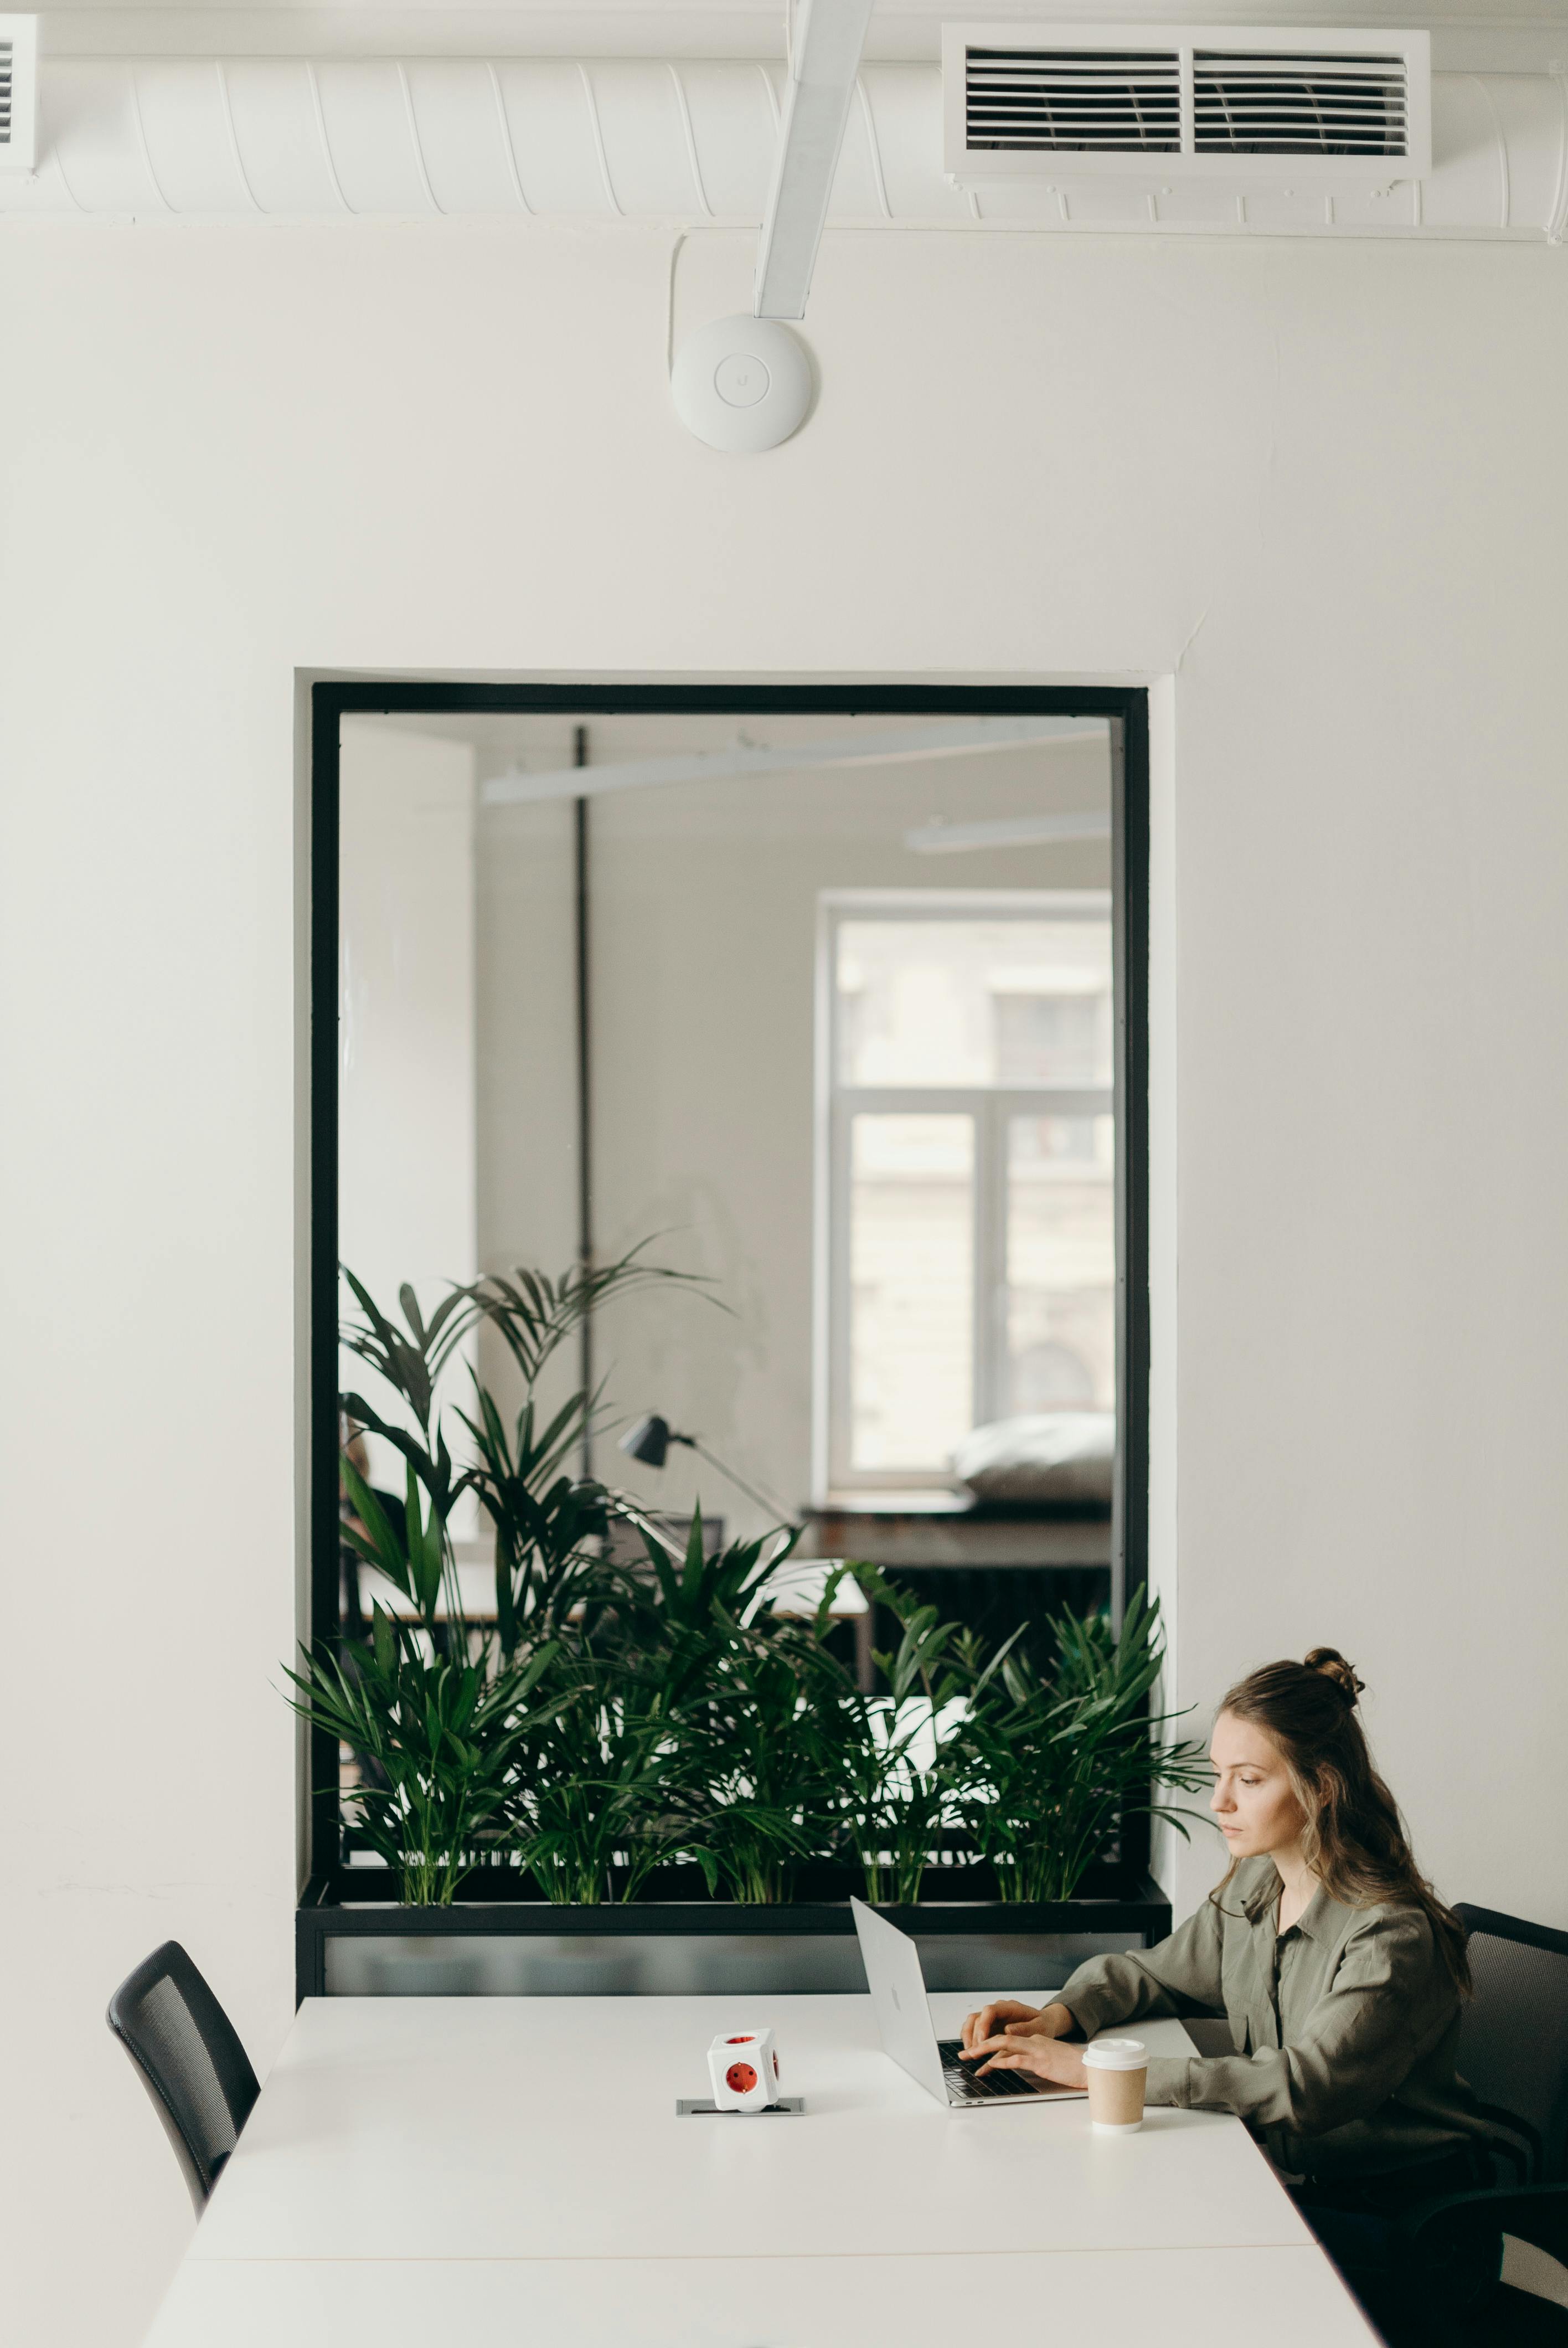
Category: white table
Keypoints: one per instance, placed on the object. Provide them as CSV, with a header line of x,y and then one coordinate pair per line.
x,y
500,2170
1156,2299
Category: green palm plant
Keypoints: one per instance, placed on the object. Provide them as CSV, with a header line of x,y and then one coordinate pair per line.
x,y
616,1719
1049,1768
533,1315
687,1612
596,1794
748,1793
546,1521
543,1516
910,1742
896,1750
543,1520
411,1360
441,1740
742,1784
415,1559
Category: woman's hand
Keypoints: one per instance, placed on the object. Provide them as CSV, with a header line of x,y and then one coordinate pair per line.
x,y
1045,2059
1006,2014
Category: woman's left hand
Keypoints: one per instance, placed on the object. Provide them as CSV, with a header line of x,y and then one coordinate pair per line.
x,y
1042,2058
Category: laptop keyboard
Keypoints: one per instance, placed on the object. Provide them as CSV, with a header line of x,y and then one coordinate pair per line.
x,y
975,2089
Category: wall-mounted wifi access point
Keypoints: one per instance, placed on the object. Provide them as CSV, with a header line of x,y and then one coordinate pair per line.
x,y
745,385
741,385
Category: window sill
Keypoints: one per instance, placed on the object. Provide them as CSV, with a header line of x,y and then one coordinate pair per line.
x,y
954,1505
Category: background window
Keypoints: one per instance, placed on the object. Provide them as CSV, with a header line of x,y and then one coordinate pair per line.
x,y
912,1287
971,1217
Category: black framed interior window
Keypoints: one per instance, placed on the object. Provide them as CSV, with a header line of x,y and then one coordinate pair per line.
x,y
1066,1081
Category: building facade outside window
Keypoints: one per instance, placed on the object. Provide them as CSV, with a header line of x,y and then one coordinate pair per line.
x,y
967,1153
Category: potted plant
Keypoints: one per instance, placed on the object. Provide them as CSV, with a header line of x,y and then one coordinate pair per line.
x,y
656,1743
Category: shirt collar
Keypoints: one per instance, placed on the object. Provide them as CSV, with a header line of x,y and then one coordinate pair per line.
x,y
1316,1922
1261,1905
1263,1899
1312,1923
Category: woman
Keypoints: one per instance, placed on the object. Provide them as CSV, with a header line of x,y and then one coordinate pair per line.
x,y
1338,1969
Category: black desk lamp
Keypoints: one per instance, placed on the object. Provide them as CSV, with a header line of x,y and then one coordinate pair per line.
x,y
650,1440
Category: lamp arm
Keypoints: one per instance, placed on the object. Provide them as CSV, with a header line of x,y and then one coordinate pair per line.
x,y
774,1508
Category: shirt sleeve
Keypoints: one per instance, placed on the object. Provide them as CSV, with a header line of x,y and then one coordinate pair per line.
x,y
1387,2004
1180,1975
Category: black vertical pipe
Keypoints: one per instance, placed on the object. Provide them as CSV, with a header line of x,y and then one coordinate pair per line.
x,y
584,1085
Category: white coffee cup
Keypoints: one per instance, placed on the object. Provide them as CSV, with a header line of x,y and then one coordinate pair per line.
x,y
1118,2071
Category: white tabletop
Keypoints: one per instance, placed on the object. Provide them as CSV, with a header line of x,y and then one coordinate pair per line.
x,y
461,2128
1182,2298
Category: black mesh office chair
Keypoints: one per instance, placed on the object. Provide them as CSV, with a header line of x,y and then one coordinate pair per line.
x,y
191,2062
1514,2050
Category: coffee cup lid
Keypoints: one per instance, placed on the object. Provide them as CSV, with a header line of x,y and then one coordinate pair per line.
x,y
1116,2055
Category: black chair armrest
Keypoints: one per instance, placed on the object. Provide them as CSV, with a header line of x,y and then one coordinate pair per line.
x,y
1532,2213
1516,2141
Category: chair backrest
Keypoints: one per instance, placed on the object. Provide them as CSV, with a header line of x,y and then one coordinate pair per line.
x,y
1513,2038
191,2060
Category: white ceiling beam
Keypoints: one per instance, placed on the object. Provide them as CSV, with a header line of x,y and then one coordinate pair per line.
x,y
825,59
954,741
1009,831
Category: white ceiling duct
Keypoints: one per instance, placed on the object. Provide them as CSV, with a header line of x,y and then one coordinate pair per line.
x,y
964,739
689,143
1009,831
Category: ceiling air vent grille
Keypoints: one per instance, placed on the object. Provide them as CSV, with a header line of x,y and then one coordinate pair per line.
x,y
1243,104
1255,102
18,91
1073,101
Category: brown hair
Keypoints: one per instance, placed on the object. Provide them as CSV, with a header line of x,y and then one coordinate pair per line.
x,y
1354,1840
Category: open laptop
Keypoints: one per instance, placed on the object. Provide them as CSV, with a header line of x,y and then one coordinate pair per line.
x,y
897,1989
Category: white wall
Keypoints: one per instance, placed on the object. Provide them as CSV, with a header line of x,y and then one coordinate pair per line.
x,y
527,1077
1322,486
407,1148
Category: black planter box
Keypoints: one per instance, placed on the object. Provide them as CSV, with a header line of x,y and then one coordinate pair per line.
x,y
354,1937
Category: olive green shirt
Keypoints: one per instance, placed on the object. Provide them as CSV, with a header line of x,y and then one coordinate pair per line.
x,y
1344,2026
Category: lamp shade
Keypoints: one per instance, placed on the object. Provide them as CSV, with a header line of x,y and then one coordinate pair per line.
x,y
648,1440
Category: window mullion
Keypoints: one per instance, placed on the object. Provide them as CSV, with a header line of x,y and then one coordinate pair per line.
x,y
839,1242
990,1260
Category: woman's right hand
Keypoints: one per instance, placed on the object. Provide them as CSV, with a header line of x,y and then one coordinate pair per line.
x,y
1006,2015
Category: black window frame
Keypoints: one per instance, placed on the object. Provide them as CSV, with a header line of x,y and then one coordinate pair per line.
x,y
1126,707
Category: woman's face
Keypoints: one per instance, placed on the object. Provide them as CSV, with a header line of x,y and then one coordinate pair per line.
x,y
1256,1810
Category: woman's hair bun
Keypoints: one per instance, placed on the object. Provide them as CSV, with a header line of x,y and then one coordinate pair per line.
x,y
1333,1667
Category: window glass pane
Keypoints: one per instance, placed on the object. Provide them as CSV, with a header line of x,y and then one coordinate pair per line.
x,y
1060,1263
1056,1039
911,1301
1020,1002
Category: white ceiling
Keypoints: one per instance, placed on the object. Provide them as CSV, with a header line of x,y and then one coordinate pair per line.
x,y
1466,34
